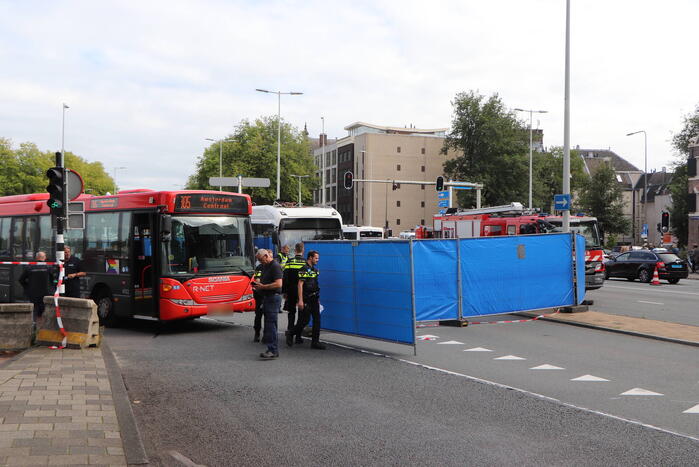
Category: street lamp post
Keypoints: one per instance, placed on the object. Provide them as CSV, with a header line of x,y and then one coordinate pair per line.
x,y
63,134
220,156
279,131
645,175
116,187
531,143
299,177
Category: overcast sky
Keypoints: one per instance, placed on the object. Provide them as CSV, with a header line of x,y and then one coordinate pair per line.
x,y
148,81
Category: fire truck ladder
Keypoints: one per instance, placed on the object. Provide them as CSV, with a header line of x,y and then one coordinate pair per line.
x,y
509,208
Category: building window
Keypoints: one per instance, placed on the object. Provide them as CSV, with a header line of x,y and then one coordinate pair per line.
x,y
422,187
422,204
422,221
334,156
398,167
397,221
398,149
398,203
422,150
334,175
327,177
422,168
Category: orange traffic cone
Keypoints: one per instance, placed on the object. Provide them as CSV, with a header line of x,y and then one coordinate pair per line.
x,y
656,277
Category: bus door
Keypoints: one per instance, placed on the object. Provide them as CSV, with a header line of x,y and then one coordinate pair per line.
x,y
143,264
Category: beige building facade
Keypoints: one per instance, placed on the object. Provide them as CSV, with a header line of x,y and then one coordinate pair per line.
x,y
387,154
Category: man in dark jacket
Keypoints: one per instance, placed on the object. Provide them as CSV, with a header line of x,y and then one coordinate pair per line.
x,y
36,279
73,273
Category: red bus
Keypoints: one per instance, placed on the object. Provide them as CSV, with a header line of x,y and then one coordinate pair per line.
x,y
512,220
157,255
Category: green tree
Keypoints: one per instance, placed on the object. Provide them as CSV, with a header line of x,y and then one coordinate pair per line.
x,y
601,196
679,211
23,170
252,152
493,149
548,176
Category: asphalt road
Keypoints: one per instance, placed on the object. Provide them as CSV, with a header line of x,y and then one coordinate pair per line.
x,y
199,391
677,303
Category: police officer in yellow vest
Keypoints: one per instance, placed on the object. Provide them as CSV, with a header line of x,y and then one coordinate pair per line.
x,y
283,255
308,302
290,285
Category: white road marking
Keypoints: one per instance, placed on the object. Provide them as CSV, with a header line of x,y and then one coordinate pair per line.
x,y
650,303
520,390
509,357
694,409
451,342
546,367
427,337
653,290
478,349
640,392
588,378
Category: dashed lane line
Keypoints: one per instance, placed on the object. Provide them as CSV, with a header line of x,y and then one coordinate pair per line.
x,y
640,392
589,378
650,303
653,290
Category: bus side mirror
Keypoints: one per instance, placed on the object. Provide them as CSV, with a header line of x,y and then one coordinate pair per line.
x,y
165,227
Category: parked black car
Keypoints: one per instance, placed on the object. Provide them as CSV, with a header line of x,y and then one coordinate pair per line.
x,y
639,264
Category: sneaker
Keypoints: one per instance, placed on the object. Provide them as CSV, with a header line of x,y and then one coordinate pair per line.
x,y
317,345
268,355
289,338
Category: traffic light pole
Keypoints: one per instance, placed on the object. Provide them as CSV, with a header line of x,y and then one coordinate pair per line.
x,y
449,185
60,256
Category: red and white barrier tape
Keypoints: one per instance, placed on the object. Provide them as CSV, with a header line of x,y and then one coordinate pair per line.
x,y
514,320
61,273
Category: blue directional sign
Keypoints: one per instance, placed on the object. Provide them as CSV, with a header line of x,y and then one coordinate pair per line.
x,y
442,195
442,211
644,231
561,202
443,203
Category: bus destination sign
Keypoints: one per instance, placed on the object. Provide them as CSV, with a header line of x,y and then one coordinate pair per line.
x,y
205,202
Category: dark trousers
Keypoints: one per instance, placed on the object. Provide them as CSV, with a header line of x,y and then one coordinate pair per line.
x,y
311,309
38,307
270,308
258,315
290,307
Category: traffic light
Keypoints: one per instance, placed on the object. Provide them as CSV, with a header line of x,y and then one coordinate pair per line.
x,y
665,221
440,183
349,180
56,189
395,186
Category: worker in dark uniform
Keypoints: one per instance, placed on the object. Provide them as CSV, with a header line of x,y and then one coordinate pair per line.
x,y
258,303
36,280
270,286
289,285
73,271
283,255
308,303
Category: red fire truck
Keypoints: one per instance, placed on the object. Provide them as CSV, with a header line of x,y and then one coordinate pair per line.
x,y
513,219
157,255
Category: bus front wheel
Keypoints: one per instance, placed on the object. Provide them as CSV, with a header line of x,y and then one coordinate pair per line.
x,y
105,308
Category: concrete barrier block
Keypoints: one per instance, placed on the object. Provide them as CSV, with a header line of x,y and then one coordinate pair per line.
x,y
16,326
80,320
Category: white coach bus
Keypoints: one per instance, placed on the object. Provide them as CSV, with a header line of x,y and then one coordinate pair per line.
x,y
274,226
362,232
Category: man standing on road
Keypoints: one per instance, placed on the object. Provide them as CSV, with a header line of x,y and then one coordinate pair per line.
x,y
73,272
270,286
308,303
35,280
257,295
290,289
693,257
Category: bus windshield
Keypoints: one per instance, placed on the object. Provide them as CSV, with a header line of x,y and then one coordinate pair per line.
x,y
208,245
371,234
296,230
587,229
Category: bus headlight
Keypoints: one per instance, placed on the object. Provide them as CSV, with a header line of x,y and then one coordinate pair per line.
x,y
246,297
183,302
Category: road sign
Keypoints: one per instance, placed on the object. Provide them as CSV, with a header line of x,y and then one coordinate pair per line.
x,y
442,195
442,211
233,181
644,231
443,203
561,202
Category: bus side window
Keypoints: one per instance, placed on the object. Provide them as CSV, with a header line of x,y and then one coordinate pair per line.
x,y
511,229
102,231
17,238
5,237
45,237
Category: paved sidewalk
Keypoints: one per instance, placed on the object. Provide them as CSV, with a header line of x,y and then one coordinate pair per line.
x,y
56,408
